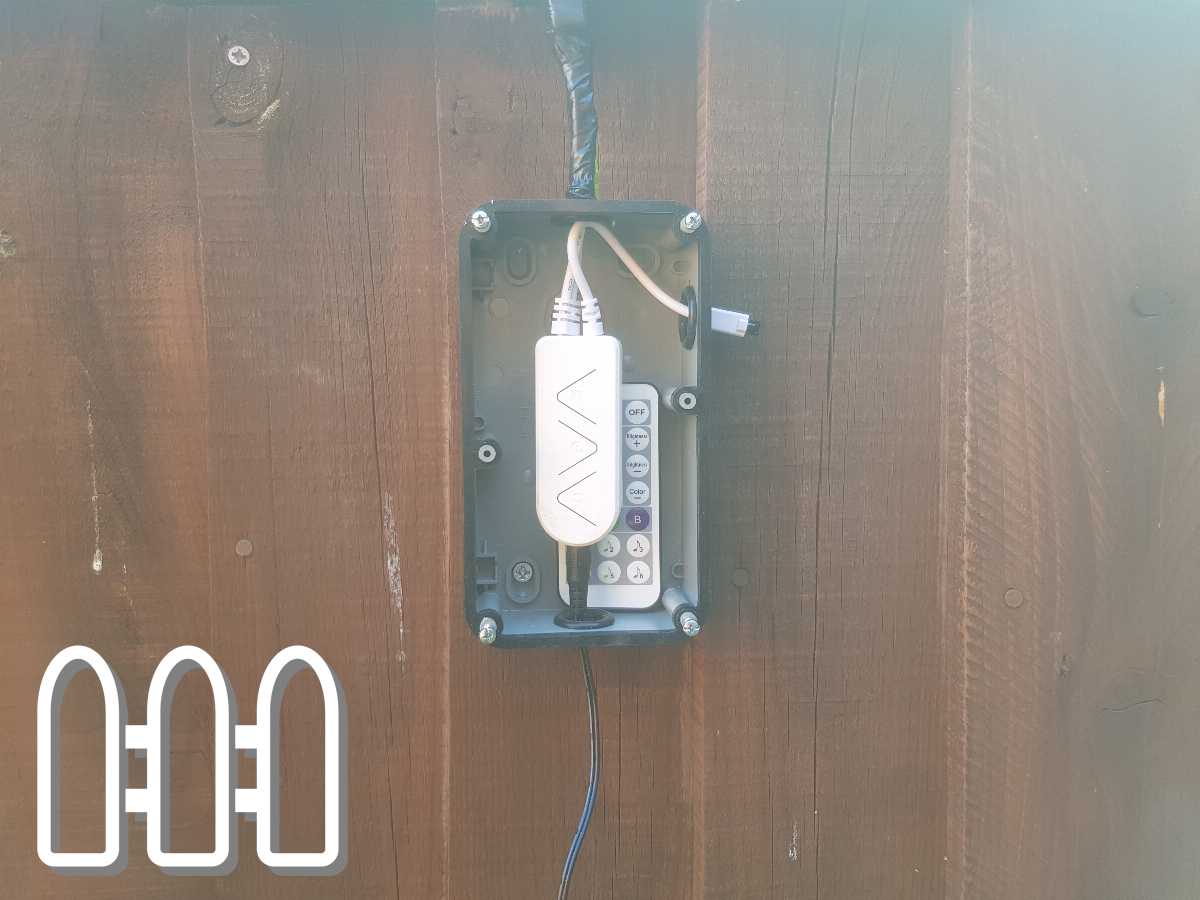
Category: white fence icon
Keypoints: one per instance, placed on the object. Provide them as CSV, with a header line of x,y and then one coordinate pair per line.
x,y
260,801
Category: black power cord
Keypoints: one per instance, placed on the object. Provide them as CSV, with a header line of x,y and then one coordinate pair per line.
x,y
573,46
589,802
579,571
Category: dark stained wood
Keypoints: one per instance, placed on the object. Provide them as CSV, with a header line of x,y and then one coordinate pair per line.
x,y
1070,493
821,755
954,486
327,431
103,522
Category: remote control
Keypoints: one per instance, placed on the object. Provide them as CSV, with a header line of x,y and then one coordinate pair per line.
x,y
625,562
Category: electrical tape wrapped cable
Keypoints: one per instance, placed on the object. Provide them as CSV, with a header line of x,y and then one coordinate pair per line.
x,y
573,45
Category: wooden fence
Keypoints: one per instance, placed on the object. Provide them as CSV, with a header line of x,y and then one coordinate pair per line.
x,y
953,649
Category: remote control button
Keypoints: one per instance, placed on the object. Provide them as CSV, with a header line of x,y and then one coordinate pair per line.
x,y
609,572
638,545
637,466
637,492
637,412
609,546
637,438
638,572
638,519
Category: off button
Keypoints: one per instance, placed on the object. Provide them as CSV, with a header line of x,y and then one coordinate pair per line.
x,y
637,412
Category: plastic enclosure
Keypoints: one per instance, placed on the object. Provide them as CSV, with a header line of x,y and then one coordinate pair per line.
x,y
508,278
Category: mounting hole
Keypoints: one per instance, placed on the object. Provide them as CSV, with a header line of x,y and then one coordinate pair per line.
x,y
677,570
645,256
520,262
684,400
478,423
488,452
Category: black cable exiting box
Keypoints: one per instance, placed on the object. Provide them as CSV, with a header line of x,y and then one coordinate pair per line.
x,y
589,802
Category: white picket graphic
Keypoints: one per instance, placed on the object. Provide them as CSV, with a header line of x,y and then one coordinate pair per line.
x,y
230,801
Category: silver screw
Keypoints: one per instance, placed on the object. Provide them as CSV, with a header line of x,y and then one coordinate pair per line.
x,y
486,453
481,221
237,55
691,223
522,572
488,629
689,624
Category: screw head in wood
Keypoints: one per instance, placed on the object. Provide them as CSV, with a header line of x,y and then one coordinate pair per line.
x,y
243,548
481,221
488,630
238,55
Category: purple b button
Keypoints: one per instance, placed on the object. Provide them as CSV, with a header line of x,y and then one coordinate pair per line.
x,y
638,519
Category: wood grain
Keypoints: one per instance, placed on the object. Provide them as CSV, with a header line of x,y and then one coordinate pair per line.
x,y
955,484
103,529
820,701
326,433
1069,491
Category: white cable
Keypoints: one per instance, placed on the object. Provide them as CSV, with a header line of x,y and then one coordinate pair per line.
x,y
592,321
566,314
573,253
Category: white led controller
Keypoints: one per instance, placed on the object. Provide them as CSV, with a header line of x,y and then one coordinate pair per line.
x,y
625,562
577,436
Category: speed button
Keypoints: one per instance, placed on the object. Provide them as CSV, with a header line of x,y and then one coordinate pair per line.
x,y
609,572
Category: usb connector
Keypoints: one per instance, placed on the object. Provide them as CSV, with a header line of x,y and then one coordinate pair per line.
x,y
730,321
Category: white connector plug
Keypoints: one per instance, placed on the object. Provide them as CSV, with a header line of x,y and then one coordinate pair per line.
x,y
730,321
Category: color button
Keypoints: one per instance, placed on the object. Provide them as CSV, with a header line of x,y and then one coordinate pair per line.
x,y
637,492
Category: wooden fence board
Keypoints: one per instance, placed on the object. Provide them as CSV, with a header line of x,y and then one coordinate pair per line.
x,y
1070,492
317,183
955,484
103,534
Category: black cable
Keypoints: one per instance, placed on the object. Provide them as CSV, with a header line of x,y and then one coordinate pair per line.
x,y
573,45
589,803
